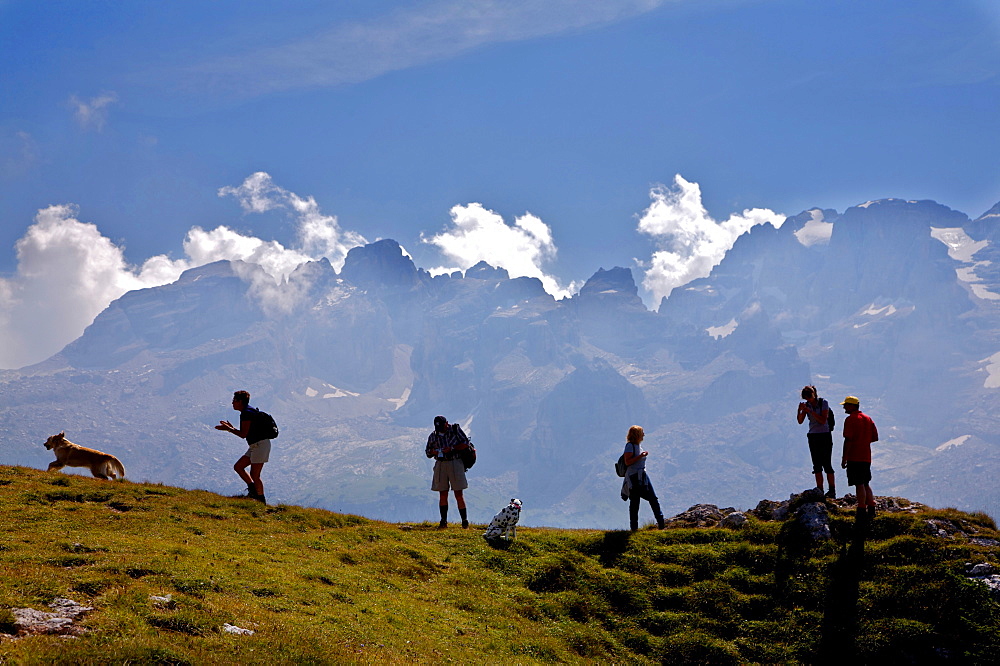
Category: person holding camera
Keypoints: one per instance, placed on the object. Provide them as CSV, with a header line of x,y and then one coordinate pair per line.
x,y
443,445
820,437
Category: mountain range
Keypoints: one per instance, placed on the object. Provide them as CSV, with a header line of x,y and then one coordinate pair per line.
x,y
896,302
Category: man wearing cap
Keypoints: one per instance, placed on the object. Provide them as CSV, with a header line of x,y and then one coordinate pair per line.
x,y
859,433
449,471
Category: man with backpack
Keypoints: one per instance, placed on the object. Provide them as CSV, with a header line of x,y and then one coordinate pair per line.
x,y
445,445
258,428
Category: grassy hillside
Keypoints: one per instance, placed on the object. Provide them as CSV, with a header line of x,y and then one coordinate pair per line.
x,y
319,587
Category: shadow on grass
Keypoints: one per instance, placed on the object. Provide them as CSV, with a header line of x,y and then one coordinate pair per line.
x,y
499,543
612,545
840,617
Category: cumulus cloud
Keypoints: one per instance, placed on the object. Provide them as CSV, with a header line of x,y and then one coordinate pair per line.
x,y
477,234
318,235
816,231
92,113
690,243
421,33
68,272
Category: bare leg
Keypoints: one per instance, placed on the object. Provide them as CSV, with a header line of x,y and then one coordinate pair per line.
x,y
865,491
460,500
241,468
819,480
255,469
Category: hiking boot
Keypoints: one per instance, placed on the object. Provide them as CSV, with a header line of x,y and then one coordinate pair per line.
x,y
831,494
871,513
659,523
443,524
261,499
465,524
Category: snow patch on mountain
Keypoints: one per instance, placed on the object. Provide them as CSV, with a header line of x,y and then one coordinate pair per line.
x,y
873,310
876,312
953,443
992,367
718,332
330,392
961,247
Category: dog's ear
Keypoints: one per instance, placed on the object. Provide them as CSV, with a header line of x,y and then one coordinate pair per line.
x,y
61,435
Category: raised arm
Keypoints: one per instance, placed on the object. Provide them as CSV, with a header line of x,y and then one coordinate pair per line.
x,y
240,432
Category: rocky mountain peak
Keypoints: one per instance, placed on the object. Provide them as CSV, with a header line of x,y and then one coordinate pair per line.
x,y
616,283
380,264
483,271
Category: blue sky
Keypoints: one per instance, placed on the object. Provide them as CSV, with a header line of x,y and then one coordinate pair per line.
x,y
391,119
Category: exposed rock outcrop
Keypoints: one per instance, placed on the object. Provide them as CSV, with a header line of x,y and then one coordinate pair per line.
x,y
61,621
702,515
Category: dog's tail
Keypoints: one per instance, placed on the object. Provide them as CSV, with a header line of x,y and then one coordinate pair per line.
x,y
114,468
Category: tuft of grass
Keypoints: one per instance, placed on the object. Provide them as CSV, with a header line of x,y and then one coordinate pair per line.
x,y
7,622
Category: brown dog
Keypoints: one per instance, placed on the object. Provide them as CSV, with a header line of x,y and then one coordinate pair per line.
x,y
102,465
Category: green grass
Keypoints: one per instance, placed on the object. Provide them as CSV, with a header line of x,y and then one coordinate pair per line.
x,y
319,587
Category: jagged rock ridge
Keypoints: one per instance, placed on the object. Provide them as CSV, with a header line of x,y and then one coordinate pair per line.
x,y
894,301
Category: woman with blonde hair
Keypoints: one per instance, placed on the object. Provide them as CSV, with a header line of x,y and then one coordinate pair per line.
x,y
637,485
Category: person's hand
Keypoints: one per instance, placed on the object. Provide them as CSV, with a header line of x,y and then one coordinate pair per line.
x,y
644,454
224,425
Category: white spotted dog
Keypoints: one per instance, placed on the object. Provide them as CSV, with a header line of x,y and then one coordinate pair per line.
x,y
504,524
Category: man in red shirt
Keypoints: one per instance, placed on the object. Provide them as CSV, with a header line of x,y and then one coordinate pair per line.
x,y
859,433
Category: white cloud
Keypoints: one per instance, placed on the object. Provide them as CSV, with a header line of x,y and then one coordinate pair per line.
x,y
92,113
816,231
422,33
477,234
318,235
68,272
690,242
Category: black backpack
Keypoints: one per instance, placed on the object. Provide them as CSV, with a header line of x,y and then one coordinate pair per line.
x,y
262,426
620,466
466,454
830,420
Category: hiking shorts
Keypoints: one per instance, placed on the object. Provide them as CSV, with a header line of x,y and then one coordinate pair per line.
x,y
449,475
259,452
821,449
858,473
